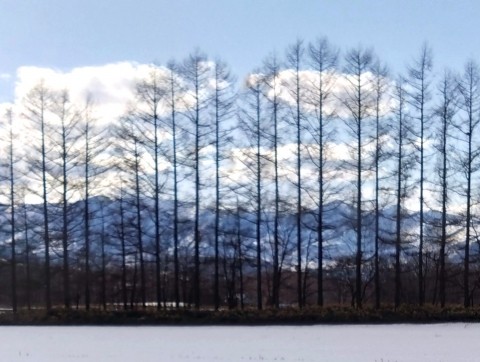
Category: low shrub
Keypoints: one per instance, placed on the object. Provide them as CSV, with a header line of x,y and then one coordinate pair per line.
x,y
268,316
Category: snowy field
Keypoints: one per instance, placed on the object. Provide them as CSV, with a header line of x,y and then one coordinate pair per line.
x,y
378,343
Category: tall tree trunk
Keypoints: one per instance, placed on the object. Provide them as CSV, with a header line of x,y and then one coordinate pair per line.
x,y
469,102
138,208
173,113
13,241
380,72
64,156
295,56
357,101
87,215
276,253
398,232
323,59
258,231
216,288
124,252
104,264
157,214
418,81
446,114
46,226
27,260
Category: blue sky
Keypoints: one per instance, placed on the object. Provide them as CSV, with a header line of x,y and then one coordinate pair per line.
x,y
64,34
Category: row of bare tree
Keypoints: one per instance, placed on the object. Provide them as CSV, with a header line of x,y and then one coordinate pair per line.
x,y
322,178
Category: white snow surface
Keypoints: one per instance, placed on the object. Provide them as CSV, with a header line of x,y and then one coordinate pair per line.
x,y
346,343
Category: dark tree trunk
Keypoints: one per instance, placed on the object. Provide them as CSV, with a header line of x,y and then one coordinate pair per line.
x,y
418,81
124,252
138,208
13,261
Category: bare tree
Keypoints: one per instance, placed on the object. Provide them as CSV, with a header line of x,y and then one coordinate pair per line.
x,y
445,113
223,101
294,62
123,237
196,71
469,103
95,143
380,88
358,105
37,103
324,59
66,137
174,90
150,94
419,82
251,123
400,96
130,147
272,91
11,178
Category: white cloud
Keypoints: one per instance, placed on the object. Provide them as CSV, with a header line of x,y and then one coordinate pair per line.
x,y
5,76
110,87
335,83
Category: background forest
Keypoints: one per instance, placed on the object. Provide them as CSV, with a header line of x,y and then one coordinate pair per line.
x,y
319,178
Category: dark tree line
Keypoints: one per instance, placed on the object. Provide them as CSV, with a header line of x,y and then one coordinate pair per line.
x,y
320,177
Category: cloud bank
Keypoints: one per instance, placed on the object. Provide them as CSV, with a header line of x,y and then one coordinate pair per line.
x,y
110,87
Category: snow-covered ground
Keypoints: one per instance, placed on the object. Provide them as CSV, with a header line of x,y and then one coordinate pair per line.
x,y
374,343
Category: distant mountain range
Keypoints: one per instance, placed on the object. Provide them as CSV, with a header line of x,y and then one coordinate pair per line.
x,y
339,229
